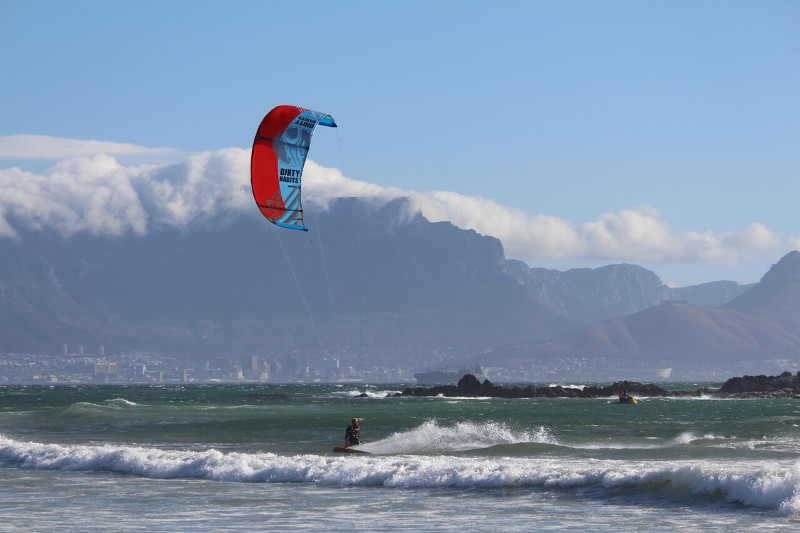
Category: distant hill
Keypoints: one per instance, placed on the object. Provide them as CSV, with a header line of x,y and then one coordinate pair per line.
x,y
762,324
678,332
777,296
376,282
363,279
712,294
591,295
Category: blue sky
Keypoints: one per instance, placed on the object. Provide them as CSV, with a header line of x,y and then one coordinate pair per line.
x,y
665,134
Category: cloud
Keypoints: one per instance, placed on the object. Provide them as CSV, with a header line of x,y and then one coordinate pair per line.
x,y
100,195
638,234
56,148
322,185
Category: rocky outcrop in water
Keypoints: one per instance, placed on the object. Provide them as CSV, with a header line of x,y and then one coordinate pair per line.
x,y
785,385
470,386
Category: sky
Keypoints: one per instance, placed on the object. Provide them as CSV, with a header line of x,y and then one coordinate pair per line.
x,y
579,133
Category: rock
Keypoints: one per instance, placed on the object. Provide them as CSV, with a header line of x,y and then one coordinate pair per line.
x,y
470,386
783,386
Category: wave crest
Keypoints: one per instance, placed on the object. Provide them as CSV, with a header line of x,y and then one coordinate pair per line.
x,y
433,437
768,485
115,404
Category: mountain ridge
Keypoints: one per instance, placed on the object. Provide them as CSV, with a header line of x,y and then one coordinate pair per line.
x,y
756,330
369,278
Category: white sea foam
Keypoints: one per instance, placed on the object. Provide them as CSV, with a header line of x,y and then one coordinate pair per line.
x,y
433,437
566,386
683,439
115,404
457,399
367,393
121,403
767,484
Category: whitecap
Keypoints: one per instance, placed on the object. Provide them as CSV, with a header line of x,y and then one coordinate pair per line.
x,y
765,484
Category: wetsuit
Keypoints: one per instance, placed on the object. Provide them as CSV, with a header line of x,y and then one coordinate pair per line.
x,y
351,435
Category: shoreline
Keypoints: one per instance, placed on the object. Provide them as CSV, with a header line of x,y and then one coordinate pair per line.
x,y
784,385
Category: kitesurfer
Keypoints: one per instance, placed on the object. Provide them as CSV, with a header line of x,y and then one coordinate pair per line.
x,y
351,437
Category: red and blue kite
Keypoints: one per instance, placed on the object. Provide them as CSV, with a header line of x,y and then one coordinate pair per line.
x,y
276,165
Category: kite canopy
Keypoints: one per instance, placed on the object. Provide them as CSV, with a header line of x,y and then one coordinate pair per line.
x,y
276,165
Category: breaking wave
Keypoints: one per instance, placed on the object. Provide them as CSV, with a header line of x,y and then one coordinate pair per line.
x,y
684,439
108,405
121,403
367,394
769,485
433,437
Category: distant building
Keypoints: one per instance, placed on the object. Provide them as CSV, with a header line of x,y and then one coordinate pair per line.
x,y
105,368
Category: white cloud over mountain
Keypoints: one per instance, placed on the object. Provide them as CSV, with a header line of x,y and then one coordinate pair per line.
x,y
99,195
94,192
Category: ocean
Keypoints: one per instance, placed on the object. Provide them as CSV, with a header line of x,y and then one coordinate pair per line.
x,y
259,458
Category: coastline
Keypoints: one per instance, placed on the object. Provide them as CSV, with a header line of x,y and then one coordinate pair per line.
x,y
785,385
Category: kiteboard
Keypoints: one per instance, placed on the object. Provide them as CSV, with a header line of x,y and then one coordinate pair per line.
x,y
349,450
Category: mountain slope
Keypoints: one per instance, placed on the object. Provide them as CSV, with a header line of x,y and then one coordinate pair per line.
x,y
592,295
760,325
365,277
777,296
679,332
376,281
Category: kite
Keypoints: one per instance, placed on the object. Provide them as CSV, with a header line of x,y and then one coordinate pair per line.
x,y
276,164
